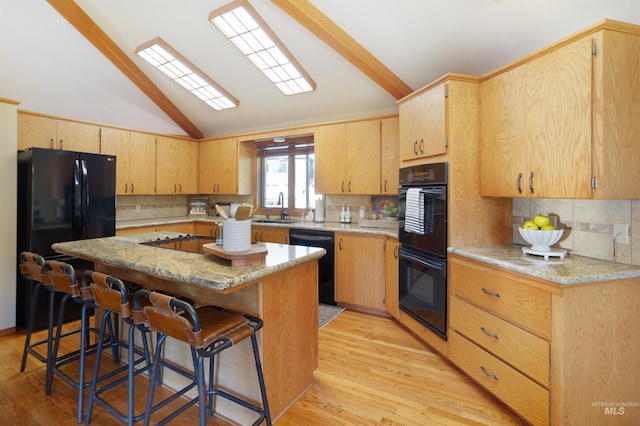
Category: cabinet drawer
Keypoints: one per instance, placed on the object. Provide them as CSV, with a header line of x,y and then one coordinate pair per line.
x,y
524,351
521,304
523,395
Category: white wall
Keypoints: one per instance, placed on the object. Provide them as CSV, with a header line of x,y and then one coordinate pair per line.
x,y
8,207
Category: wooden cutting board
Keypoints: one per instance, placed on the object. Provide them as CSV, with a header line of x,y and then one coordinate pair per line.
x,y
255,254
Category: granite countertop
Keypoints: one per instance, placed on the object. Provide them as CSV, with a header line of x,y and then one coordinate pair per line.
x,y
320,226
204,270
570,270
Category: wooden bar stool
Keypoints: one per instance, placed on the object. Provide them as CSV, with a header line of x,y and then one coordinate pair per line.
x,y
208,331
61,278
116,298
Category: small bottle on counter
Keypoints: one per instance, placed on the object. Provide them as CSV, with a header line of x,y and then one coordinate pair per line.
x,y
219,236
361,213
347,215
343,214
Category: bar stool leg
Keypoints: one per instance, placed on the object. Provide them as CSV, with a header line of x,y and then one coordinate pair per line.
x,y
96,367
32,318
263,391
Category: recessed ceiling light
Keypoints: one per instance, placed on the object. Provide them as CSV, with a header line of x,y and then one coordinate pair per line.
x,y
171,63
242,24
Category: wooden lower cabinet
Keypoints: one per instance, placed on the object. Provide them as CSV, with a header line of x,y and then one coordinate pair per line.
x,y
209,229
392,270
360,271
269,234
550,352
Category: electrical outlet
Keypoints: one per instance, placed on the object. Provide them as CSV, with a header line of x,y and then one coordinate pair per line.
x,y
137,208
621,233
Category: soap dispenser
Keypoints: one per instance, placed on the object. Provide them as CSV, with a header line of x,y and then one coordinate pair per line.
x,y
347,215
343,214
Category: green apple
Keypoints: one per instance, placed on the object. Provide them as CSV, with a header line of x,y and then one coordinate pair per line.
x,y
530,225
541,220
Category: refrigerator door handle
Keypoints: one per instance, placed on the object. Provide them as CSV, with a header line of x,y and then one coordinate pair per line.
x,y
85,197
77,198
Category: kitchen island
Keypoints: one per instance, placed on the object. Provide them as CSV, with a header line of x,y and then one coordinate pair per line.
x,y
283,291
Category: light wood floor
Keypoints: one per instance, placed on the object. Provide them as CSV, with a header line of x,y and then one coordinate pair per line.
x,y
371,372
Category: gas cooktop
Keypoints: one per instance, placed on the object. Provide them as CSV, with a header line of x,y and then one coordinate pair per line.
x,y
190,243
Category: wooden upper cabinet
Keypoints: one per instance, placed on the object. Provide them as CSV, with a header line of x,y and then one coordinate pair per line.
x,y
616,126
330,161
559,123
177,166
389,156
536,127
423,124
135,160
225,166
563,124
44,132
348,158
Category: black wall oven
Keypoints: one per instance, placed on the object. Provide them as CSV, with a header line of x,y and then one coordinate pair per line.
x,y
422,202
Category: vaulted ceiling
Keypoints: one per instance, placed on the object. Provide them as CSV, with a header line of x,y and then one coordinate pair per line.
x,y
77,59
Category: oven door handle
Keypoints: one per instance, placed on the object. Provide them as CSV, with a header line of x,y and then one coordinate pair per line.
x,y
422,260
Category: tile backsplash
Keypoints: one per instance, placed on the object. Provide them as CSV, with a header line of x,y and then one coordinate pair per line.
x,y
588,225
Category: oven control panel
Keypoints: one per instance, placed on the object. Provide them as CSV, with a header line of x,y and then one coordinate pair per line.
x,y
424,174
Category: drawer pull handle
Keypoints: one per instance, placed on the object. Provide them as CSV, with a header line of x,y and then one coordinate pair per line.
x,y
490,293
492,376
488,333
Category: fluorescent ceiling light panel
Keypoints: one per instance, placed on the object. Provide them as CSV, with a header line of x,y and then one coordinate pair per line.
x,y
175,66
241,24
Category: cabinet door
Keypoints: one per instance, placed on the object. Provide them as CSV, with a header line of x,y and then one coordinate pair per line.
x,y
503,134
218,167
423,125
268,234
35,131
389,156
80,137
142,163
435,123
360,271
362,149
559,121
206,229
187,167
115,142
328,147
166,166
392,270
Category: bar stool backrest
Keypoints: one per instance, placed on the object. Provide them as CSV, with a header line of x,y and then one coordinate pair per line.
x,y
61,277
31,265
106,291
172,317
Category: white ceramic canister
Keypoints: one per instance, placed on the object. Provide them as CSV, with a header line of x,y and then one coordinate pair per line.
x,y
237,235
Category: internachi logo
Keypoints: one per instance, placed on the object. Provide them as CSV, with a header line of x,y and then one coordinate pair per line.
x,y
615,408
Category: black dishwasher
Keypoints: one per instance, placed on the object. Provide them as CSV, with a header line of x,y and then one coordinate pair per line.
x,y
325,240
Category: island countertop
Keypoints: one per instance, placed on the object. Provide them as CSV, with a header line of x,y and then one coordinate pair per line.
x,y
203,270
570,270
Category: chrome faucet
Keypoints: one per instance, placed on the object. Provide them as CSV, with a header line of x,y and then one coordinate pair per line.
x,y
281,204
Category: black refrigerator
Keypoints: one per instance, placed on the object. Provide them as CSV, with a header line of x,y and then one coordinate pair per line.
x,y
62,196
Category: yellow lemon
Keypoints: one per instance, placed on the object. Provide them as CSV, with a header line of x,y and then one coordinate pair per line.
x,y
529,225
548,227
541,220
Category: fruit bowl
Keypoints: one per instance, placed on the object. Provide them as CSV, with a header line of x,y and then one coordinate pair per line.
x,y
541,240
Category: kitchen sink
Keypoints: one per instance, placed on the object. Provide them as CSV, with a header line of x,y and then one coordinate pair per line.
x,y
273,221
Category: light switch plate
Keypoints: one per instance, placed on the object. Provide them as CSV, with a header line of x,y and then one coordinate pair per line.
x,y
621,230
